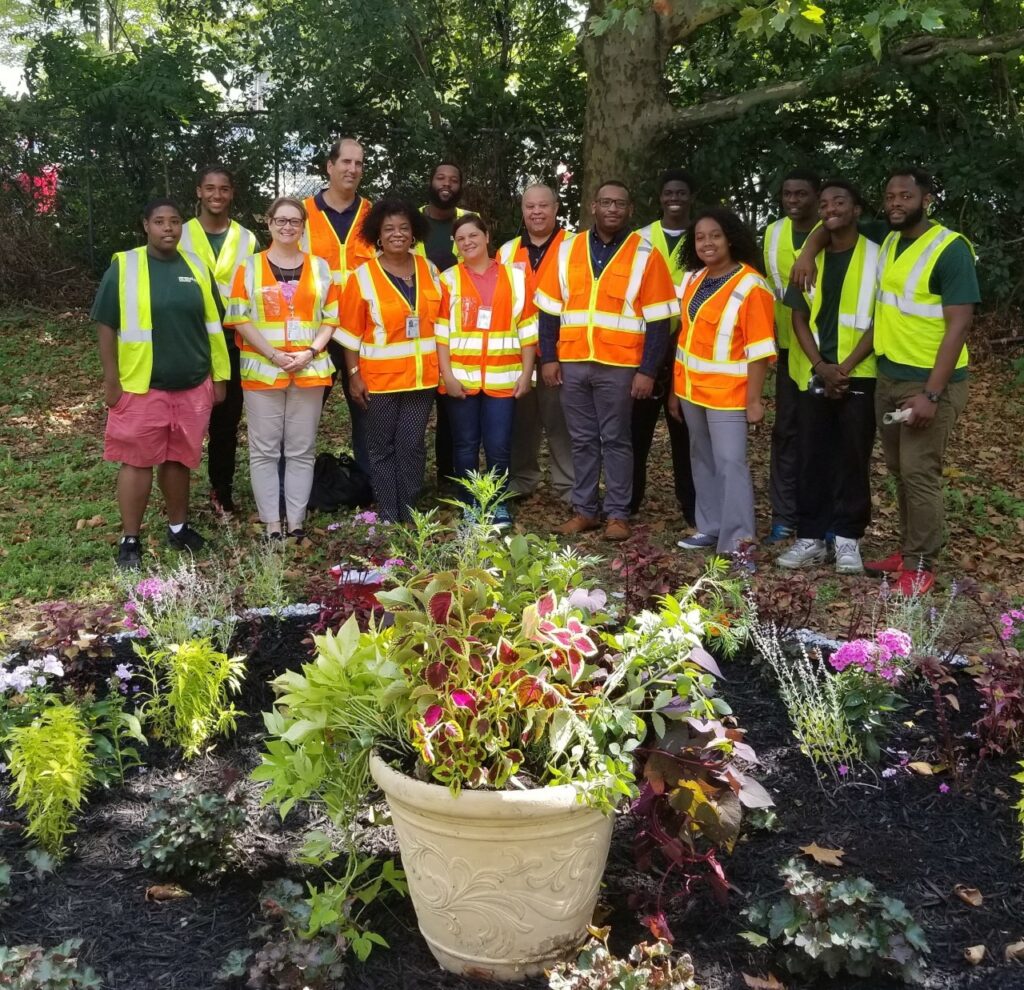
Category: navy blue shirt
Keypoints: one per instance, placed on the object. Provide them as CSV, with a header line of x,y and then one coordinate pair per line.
x,y
340,220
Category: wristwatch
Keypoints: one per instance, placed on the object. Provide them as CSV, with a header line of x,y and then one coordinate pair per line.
x,y
932,396
312,350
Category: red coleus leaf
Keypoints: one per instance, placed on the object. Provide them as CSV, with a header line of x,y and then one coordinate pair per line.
x,y
658,924
507,653
440,607
575,662
529,690
454,644
436,675
514,756
464,699
431,716
561,636
546,605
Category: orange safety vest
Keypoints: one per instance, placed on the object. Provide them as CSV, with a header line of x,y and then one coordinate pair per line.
x,y
732,327
515,253
604,319
319,238
256,298
487,359
374,322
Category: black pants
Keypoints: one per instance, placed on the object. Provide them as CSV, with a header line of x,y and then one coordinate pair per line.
x,y
443,454
224,420
836,437
785,457
356,415
646,413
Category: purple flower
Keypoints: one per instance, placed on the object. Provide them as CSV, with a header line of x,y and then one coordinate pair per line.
x,y
331,527
889,772
366,518
896,641
842,769
154,588
857,651
123,672
943,788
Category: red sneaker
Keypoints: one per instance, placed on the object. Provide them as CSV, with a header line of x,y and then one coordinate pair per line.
x,y
892,564
910,583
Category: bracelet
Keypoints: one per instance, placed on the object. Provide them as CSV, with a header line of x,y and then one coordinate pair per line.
x,y
814,367
352,372
312,350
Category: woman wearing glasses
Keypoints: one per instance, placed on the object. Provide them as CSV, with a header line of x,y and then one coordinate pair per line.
x,y
284,308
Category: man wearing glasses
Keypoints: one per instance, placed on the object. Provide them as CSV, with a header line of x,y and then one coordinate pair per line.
x,y
335,219
605,309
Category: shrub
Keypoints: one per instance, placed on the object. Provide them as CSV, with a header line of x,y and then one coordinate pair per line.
x,y
648,967
191,832
824,927
1019,777
31,967
999,678
50,760
189,687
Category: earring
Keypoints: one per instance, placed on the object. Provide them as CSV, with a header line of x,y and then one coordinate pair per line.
x,y
380,247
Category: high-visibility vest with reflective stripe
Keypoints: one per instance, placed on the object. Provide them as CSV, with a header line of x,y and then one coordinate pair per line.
x,y
320,238
135,335
373,322
731,328
488,360
238,245
256,298
655,234
604,319
780,254
421,249
515,253
856,310
909,323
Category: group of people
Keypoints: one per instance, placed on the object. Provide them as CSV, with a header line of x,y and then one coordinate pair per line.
x,y
583,338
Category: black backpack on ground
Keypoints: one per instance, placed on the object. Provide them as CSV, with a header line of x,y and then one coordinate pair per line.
x,y
339,483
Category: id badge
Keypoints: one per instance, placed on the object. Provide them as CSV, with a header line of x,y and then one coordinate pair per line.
x,y
293,327
412,327
483,319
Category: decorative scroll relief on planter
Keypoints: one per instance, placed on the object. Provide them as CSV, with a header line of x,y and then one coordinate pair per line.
x,y
482,908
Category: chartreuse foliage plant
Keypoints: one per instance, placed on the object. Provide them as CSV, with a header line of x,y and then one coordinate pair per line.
x,y
31,967
51,760
190,684
823,928
5,884
1019,777
648,967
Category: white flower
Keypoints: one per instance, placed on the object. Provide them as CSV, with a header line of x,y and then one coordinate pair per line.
x,y
123,672
51,665
889,772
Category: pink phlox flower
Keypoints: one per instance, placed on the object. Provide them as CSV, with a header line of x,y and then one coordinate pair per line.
x,y
895,641
366,518
154,588
856,651
943,788
842,769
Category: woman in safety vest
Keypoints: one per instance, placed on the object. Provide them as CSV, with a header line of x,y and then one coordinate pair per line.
x,y
486,346
165,364
725,343
388,310
284,308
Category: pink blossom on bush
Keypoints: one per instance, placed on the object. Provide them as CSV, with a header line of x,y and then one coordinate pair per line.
x,y
896,641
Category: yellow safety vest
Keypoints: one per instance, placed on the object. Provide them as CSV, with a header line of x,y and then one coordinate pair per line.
x,y
654,234
856,310
135,335
239,244
421,248
780,255
909,323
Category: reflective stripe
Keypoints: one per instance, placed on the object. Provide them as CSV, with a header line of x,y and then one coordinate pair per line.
x,y
508,250
735,369
730,314
760,349
406,348
636,273
866,295
774,275
131,281
543,301
610,321
909,307
660,311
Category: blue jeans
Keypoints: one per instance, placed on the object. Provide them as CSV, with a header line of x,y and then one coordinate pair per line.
x,y
480,419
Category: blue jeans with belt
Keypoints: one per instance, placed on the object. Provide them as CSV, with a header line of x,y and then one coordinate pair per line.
x,y
481,420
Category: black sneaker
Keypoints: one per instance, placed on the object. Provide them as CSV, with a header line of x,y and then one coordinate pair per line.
x,y
299,536
129,553
221,501
186,539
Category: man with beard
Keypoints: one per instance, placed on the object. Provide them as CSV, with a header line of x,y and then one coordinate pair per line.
x,y
604,326
335,218
667,236
441,211
782,242
927,291
534,251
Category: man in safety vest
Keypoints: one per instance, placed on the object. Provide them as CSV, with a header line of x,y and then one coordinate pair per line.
x,y
222,244
533,252
927,291
782,242
442,210
605,308
335,219
832,365
667,235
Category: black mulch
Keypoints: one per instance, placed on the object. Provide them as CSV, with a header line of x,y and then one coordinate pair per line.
x,y
905,836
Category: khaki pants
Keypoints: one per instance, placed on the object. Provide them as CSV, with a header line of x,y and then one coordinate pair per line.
x,y
914,458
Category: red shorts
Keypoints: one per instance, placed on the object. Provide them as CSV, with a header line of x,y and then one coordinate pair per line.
x,y
155,427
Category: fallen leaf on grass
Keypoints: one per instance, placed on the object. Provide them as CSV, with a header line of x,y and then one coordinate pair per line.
x,y
826,857
974,954
166,892
91,523
1014,952
969,895
925,769
760,983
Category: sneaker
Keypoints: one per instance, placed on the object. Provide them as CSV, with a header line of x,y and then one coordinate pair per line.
x,y
893,564
298,535
221,502
129,553
186,539
803,553
847,555
502,517
780,533
578,524
698,541
911,583
617,530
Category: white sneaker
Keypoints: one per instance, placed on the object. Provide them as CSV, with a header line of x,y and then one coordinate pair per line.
x,y
848,560
803,553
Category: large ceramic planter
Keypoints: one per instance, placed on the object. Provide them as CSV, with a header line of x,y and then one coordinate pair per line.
x,y
504,883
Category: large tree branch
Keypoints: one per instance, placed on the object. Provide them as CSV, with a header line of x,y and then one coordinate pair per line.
x,y
914,51
683,17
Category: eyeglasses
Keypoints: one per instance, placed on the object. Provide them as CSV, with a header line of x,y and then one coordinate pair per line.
x,y
606,204
282,222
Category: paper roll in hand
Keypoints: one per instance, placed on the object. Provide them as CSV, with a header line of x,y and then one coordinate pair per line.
x,y
899,416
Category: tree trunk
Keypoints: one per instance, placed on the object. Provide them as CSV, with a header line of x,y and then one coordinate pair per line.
x,y
625,80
